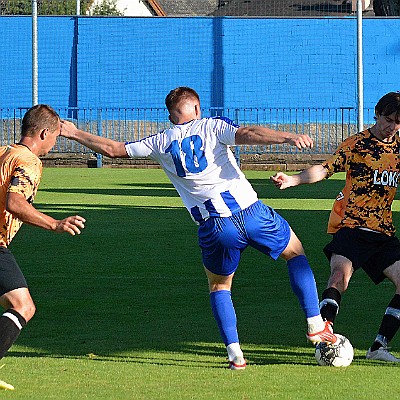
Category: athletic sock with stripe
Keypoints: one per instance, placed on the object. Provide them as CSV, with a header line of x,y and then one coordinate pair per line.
x,y
11,324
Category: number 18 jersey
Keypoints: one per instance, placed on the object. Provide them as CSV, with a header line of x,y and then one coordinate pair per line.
x,y
200,164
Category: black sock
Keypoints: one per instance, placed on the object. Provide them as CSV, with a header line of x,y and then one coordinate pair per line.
x,y
389,325
11,323
330,303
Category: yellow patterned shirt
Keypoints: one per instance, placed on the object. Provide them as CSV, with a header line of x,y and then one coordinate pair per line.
x,y
372,168
20,172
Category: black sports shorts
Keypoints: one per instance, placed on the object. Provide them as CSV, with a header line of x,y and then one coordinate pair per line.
x,y
11,276
371,251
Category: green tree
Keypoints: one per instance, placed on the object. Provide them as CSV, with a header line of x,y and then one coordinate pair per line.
x,y
15,7
106,7
56,7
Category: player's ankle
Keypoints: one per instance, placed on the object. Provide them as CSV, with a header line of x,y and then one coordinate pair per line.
x,y
315,324
234,350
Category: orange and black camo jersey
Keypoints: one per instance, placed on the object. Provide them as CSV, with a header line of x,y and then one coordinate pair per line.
x,y
372,168
20,172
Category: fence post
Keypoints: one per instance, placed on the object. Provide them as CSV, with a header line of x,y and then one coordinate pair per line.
x,y
35,84
237,148
99,157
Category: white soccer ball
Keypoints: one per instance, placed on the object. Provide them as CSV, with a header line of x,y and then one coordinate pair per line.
x,y
338,354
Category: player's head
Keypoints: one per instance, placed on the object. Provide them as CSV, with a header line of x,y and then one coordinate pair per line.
x,y
38,118
42,125
183,104
389,104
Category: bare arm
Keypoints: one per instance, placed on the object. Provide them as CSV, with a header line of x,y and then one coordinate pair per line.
x,y
313,174
17,205
98,144
259,135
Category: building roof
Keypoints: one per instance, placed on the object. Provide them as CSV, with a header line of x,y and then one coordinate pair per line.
x,y
260,8
155,8
175,8
284,8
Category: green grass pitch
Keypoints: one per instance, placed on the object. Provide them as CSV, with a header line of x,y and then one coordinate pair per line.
x,y
123,309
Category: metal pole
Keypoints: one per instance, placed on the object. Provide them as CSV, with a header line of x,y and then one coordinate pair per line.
x,y
360,78
78,7
99,157
34,54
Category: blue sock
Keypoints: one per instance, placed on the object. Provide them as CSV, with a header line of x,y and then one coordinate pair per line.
x,y
303,285
224,314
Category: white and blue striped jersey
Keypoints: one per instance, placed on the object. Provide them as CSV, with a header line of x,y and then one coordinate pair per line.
x,y
197,159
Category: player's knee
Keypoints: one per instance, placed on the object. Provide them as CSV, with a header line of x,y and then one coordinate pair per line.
x,y
21,301
26,310
293,249
29,311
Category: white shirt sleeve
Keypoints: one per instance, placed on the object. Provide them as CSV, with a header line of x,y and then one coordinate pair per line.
x,y
225,130
141,148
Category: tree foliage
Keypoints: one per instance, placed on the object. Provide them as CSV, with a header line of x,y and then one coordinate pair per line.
x,y
106,7
57,7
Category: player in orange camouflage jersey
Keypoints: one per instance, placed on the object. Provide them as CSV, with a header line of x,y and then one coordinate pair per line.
x,y
20,173
361,217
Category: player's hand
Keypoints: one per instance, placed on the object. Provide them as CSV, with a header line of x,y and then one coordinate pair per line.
x,y
281,180
71,225
67,128
302,142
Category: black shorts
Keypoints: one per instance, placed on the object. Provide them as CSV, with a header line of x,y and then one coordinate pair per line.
x,y
11,276
371,251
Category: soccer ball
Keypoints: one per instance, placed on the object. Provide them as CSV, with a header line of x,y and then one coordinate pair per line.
x,y
338,354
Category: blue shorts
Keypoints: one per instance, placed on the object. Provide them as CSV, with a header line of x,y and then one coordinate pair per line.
x,y
222,239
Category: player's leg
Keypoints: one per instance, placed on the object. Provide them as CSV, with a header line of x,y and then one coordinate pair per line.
x,y
15,299
341,273
225,316
221,249
390,322
19,309
304,286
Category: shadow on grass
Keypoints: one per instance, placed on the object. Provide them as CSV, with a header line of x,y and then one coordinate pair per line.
x,y
327,189
189,357
131,189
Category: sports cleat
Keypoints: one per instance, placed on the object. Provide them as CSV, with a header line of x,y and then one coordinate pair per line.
x,y
6,386
237,363
382,354
326,336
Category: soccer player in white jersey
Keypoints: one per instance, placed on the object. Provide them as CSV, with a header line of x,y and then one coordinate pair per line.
x,y
195,155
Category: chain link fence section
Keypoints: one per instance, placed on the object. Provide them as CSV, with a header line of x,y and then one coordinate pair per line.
x,y
236,8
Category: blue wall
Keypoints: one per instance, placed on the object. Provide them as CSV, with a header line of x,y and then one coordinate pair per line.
x,y
93,62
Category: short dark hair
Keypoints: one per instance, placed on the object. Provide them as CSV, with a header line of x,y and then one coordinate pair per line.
x,y
175,96
389,104
39,117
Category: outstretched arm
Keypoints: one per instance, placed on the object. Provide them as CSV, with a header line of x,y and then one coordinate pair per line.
x,y
313,174
259,135
17,205
98,144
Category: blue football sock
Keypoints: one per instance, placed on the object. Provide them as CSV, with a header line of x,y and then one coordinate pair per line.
x,y
303,285
224,314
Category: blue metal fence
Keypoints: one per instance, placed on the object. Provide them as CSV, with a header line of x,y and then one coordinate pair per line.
x,y
327,126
